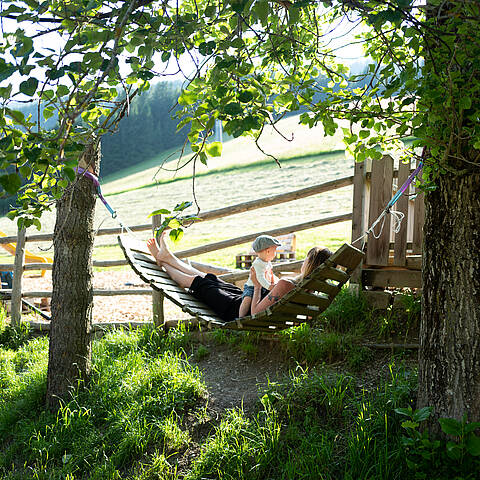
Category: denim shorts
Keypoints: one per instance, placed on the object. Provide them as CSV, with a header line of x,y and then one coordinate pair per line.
x,y
248,291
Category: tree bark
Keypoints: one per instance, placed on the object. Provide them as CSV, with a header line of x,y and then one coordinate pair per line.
x,y
449,356
72,294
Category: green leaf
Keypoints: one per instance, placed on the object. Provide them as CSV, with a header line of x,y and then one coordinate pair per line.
x,y
214,149
29,87
69,173
6,69
465,103
187,98
364,133
450,426
245,96
404,411
161,211
422,414
233,108
473,445
10,183
409,424
182,206
176,234
454,450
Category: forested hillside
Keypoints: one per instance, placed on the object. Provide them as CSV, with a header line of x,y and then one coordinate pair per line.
x,y
148,130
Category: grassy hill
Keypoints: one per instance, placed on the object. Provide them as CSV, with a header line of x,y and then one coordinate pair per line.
x,y
241,174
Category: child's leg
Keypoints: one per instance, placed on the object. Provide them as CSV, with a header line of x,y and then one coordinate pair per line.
x,y
245,307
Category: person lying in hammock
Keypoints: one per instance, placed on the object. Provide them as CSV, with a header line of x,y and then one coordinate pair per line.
x,y
222,297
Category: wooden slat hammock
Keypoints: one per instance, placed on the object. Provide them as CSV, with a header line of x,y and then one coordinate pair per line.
x,y
306,301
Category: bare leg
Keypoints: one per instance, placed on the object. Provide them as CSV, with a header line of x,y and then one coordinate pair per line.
x,y
183,279
245,307
164,257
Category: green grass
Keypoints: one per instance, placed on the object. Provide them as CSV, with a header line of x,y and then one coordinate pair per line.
x,y
144,413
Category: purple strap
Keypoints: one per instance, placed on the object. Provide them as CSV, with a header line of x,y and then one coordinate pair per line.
x,y
95,181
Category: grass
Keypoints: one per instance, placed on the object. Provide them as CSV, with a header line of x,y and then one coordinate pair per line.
x,y
144,413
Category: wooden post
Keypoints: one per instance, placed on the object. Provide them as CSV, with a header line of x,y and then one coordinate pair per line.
x,y
16,313
358,227
157,297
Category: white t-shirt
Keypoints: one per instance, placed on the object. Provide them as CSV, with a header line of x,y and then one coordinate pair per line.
x,y
261,269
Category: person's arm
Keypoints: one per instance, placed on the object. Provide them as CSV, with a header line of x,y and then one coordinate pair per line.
x,y
258,304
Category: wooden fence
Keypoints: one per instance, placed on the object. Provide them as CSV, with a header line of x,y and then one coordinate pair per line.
x,y
234,276
394,258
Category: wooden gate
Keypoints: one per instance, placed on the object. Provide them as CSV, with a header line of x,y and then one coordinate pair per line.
x,y
392,259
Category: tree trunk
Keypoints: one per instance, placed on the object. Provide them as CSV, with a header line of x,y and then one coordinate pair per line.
x,y
72,295
449,356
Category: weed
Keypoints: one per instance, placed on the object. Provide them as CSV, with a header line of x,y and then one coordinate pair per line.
x,y
14,336
348,313
434,458
357,356
154,341
130,408
201,352
306,344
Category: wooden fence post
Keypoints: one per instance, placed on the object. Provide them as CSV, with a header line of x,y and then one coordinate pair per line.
x,y
157,297
16,313
358,227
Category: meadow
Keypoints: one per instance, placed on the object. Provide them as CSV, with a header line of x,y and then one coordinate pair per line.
x,y
242,173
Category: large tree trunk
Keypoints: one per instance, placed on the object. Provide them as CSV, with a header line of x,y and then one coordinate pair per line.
x,y
72,297
449,370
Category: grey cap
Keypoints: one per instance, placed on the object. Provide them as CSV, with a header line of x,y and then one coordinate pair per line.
x,y
264,241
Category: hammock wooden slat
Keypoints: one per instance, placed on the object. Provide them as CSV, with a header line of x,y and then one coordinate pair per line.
x,y
305,302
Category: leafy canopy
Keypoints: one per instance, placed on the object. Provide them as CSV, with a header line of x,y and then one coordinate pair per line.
x,y
249,62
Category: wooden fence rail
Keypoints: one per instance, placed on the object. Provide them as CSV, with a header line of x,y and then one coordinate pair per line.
x,y
215,214
229,275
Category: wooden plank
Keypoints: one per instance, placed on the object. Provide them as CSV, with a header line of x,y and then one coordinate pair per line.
x,y
311,299
400,243
166,286
16,301
380,195
346,256
414,262
358,223
322,286
330,273
148,259
392,278
418,219
299,309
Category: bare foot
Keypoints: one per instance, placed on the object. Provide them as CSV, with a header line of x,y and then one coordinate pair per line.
x,y
163,244
154,250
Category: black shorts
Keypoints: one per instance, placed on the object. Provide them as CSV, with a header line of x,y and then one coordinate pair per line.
x,y
222,297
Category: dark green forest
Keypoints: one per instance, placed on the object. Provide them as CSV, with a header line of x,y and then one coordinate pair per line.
x,y
148,130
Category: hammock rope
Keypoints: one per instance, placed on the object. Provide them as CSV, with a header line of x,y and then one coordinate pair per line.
x,y
113,212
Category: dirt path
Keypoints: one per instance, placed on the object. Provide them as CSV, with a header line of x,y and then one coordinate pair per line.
x,y
234,379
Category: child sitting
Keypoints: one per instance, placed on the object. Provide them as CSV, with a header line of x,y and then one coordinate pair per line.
x,y
265,247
